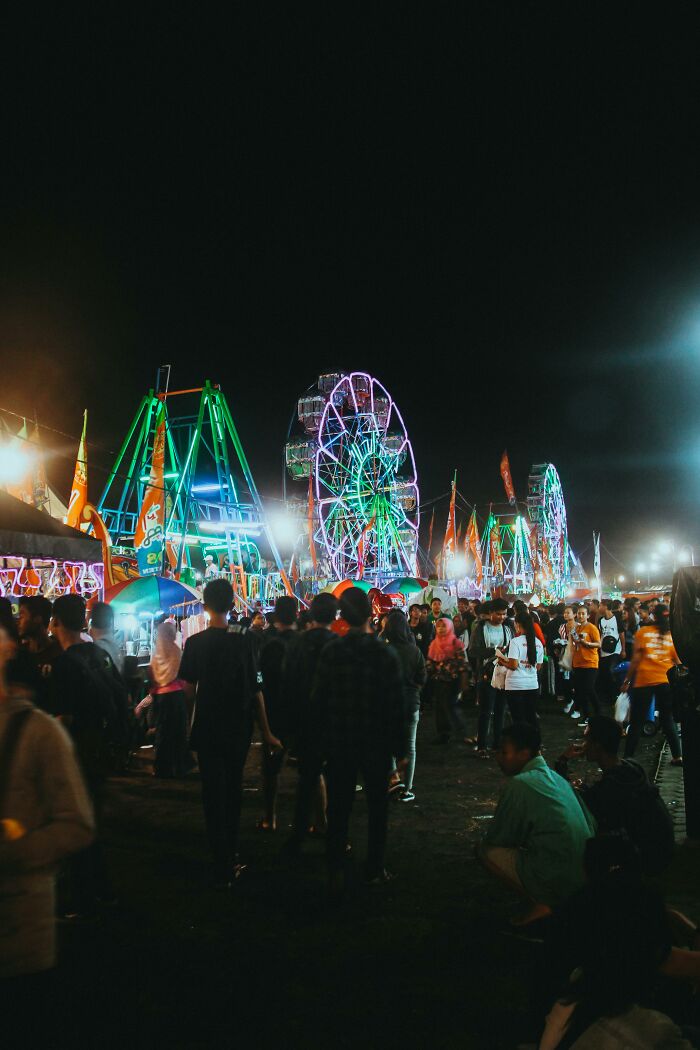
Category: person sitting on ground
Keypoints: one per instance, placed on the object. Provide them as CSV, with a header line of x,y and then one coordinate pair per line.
x,y
623,798
607,947
536,840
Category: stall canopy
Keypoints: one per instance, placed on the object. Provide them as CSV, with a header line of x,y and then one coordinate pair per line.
x,y
26,532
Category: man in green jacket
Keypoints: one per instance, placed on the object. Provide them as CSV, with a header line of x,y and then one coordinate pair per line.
x,y
536,841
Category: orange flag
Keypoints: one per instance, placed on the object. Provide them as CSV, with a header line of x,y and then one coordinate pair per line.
x,y
507,478
79,491
473,547
449,547
149,536
496,555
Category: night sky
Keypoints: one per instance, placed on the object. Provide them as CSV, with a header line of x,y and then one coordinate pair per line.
x,y
498,216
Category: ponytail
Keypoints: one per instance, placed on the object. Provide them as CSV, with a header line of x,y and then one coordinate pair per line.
x,y
661,619
525,620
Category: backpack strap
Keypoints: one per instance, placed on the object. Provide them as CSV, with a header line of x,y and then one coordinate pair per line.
x,y
7,751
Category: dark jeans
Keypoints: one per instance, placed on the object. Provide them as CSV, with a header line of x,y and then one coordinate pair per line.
x,y
221,771
492,702
448,714
172,723
89,879
310,765
522,704
341,778
605,685
585,696
640,701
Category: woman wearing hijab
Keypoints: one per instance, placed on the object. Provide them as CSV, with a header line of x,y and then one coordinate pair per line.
x,y
447,670
169,705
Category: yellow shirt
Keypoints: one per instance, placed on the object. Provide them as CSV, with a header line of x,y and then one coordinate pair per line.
x,y
584,657
657,654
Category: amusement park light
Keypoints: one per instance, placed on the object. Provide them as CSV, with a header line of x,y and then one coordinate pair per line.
x,y
458,566
665,547
14,465
168,477
229,526
211,487
284,528
620,579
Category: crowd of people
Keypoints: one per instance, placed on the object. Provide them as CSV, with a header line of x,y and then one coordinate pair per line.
x,y
338,692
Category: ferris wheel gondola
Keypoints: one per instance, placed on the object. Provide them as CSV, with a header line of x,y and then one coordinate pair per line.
x,y
547,511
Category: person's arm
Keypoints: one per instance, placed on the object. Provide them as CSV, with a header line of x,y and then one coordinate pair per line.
x,y
69,824
261,717
634,662
587,643
508,661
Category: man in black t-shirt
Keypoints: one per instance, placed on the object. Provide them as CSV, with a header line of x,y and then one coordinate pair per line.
x,y
220,666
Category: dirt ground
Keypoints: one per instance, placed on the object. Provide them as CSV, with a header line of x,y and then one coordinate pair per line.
x,y
428,961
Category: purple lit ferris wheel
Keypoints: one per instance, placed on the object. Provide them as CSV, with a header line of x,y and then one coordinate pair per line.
x,y
364,477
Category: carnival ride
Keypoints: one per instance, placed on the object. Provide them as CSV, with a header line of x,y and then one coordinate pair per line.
x,y
361,516
181,488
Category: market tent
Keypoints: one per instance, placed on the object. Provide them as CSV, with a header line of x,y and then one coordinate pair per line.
x,y
26,532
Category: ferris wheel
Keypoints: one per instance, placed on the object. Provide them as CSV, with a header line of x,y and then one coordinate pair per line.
x,y
363,473
547,510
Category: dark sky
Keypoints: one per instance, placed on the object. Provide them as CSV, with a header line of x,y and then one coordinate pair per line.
x,y
498,216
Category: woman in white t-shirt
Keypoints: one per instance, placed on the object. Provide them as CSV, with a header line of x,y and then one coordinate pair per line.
x,y
522,662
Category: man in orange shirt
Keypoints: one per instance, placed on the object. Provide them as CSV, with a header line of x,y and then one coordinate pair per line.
x,y
586,639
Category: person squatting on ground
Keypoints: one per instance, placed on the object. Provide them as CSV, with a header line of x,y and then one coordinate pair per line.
x,y
536,840
447,670
220,666
491,632
360,700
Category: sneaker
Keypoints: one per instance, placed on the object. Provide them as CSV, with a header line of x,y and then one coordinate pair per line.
x,y
575,714
583,724
407,796
569,706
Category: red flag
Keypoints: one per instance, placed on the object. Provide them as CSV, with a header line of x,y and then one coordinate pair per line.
x,y
78,495
472,546
449,547
507,479
293,570
310,523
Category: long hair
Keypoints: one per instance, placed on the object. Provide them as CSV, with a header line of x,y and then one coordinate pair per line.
x,y
525,620
662,621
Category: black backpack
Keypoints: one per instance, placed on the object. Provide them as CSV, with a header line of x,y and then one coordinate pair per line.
x,y
106,696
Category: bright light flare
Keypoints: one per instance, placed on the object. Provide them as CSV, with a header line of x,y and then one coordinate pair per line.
x,y
285,529
14,465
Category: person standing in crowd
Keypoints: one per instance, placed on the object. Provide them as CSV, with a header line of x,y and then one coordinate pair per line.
x,y
489,633
220,666
360,699
45,816
398,636
652,658
423,632
536,840
522,662
169,705
87,697
102,633
37,646
594,612
436,610
302,717
275,646
447,669
612,650
586,639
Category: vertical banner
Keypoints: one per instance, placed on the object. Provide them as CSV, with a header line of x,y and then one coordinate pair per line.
x,y
507,477
149,538
428,568
310,523
495,553
362,547
449,547
596,563
79,492
472,546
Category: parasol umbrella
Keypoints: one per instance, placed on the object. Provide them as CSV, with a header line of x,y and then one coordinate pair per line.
x,y
345,585
405,585
150,594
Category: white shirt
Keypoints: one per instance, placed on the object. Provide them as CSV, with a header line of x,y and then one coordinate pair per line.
x,y
609,627
525,677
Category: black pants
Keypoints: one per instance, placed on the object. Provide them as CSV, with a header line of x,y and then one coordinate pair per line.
x,y
492,702
341,778
221,770
89,879
448,714
522,704
640,701
605,684
309,766
585,696
171,750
